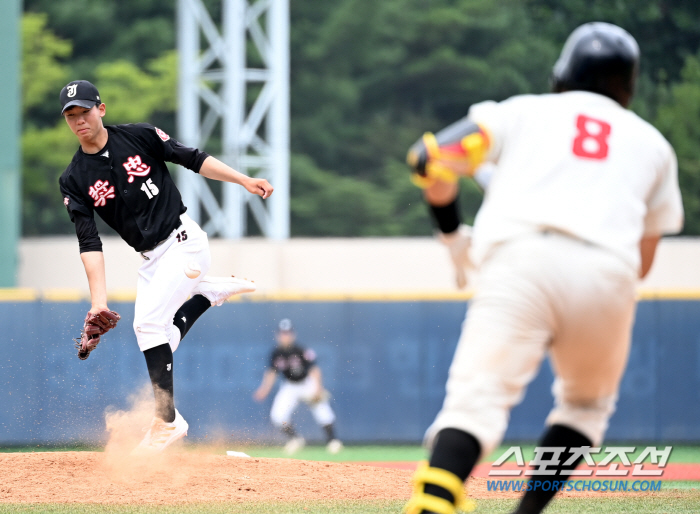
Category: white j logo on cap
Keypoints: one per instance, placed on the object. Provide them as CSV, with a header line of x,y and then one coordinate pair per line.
x,y
72,89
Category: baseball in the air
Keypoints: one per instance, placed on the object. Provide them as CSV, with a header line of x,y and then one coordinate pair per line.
x,y
192,270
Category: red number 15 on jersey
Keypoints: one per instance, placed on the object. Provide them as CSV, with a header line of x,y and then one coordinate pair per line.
x,y
591,140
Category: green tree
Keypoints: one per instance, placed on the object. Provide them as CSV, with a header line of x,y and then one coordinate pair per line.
x,y
134,94
368,78
667,30
42,72
679,120
45,150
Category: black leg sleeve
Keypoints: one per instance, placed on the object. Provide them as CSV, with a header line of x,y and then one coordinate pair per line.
x,y
190,312
455,451
560,436
160,368
330,432
288,430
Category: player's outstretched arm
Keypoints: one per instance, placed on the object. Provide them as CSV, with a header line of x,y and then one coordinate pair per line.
x,y
94,264
441,197
268,381
441,193
647,250
216,170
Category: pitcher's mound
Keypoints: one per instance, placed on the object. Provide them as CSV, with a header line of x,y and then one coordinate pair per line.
x,y
171,478
92,477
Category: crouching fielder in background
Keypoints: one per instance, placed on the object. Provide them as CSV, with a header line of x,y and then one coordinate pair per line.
x,y
302,383
581,193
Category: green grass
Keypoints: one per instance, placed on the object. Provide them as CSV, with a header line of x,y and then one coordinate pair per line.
x,y
681,484
387,453
51,448
666,504
368,453
349,453
316,507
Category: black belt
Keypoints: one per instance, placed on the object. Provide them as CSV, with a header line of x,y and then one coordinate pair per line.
x,y
159,243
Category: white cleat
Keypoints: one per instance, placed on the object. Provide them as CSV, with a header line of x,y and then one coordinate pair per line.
x,y
294,445
334,446
160,435
219,289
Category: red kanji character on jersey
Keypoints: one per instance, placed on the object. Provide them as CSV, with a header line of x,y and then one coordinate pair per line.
x,y
136,167
100,192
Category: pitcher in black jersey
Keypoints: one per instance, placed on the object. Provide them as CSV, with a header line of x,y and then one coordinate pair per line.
x,y
302,383
119,172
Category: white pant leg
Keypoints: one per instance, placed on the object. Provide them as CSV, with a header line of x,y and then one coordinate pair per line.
x,y
504,339
163,286
321,411
532,293
589,354
286,400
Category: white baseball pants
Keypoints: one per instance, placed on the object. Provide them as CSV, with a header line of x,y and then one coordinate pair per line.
x,y
163,286
545,293
288,397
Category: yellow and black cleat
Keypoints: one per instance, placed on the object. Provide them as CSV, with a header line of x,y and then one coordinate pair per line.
x,y
420,501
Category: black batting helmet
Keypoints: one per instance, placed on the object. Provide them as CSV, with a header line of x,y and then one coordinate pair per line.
x,y
601,58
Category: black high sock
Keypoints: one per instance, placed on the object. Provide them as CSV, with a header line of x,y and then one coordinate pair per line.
x,y
560,436
455,451
330,432
160,368
288,430
189,312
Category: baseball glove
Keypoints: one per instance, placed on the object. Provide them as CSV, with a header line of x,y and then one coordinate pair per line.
x,y
94,327
323,396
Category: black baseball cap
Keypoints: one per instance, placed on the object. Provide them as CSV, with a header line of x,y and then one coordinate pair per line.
x,y
81,93
285,325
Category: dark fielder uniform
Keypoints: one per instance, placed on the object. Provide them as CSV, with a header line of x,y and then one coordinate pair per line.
x,y
127,183
294,363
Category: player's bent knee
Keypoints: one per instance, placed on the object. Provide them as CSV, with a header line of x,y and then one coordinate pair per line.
x,y
479,407
279,422
280,417
489,433
150,335
588,417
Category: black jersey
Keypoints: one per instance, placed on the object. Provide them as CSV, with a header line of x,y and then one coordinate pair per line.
x,y
128,183
294,362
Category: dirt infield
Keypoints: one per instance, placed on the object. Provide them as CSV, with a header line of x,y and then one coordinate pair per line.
x,y
173,478
91,477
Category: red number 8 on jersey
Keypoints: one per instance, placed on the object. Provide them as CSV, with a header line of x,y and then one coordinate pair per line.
x,y
591,145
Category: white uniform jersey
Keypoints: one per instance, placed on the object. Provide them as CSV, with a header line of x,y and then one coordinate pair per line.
x,y
579,163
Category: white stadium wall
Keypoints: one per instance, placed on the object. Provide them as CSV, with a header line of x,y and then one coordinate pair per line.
x,y
308,267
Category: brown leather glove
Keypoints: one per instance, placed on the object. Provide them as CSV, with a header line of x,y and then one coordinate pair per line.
x,y
94,326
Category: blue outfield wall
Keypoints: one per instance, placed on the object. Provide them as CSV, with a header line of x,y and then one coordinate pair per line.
x,y
384,362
